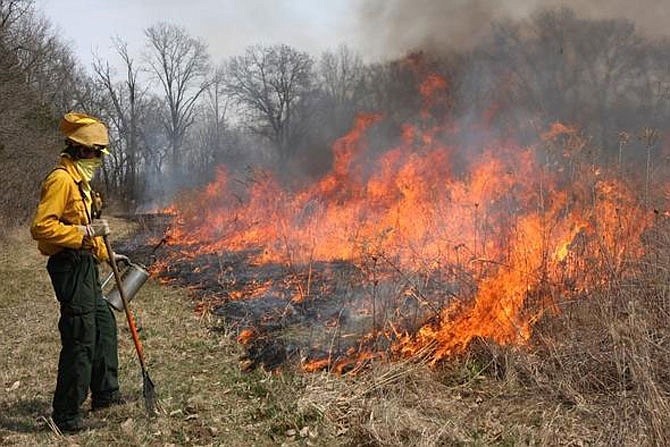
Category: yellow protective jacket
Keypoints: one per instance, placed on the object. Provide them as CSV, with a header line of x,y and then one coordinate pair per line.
x,y
62,208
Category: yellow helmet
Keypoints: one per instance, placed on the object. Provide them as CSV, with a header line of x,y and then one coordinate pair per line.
x,y
84,129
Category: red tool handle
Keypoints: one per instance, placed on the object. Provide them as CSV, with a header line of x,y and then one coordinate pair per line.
x,y
126,309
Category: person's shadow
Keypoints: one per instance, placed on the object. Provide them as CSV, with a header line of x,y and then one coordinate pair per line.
x,y
24,416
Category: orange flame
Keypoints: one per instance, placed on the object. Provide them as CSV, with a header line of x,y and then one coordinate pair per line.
x,y
507,220
246,336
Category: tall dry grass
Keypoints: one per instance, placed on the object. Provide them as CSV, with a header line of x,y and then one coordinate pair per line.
x,y
613,346
596,371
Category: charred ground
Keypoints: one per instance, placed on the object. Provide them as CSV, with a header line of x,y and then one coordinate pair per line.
x,y
314,316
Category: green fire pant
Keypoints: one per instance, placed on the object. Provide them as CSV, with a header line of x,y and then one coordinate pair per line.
x,y
88,357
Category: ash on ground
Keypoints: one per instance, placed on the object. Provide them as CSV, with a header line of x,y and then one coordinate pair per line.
x,y
295,313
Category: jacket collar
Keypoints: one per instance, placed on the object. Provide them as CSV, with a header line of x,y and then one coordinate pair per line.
x,y
71,169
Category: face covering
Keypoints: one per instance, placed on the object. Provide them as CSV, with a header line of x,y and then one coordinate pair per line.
x,y
87,167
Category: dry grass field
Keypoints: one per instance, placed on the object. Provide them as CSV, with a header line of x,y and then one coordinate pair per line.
x,y
596,375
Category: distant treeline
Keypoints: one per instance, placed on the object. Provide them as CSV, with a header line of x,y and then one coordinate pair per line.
x,y
174,114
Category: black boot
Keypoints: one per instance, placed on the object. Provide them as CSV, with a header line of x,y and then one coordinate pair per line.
x,y
107,401
78,426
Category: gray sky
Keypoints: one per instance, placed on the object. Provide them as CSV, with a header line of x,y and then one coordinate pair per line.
x,y
378,29
227,26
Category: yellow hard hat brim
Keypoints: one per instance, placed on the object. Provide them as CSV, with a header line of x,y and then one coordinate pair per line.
x,y
84,129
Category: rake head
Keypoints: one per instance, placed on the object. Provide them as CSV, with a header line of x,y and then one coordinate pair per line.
x,y
151,402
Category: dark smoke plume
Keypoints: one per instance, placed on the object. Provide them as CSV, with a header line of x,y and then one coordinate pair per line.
x,y
394,27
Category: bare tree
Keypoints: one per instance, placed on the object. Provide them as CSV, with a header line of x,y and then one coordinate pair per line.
x,y
25,131
341,75
216,109
269,82
181,64
155,153
48,64
10,12
125,102
613,69
557,66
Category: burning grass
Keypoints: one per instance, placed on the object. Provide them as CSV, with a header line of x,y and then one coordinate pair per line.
x,y
534,267
389,263
595,374
522,299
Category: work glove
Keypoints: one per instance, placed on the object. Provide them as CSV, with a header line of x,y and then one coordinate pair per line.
x,y
118,257
97,228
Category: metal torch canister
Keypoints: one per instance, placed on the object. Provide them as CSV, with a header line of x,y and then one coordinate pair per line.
x,y
132,279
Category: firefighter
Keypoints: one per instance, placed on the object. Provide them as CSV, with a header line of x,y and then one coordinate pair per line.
x,y
67,234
